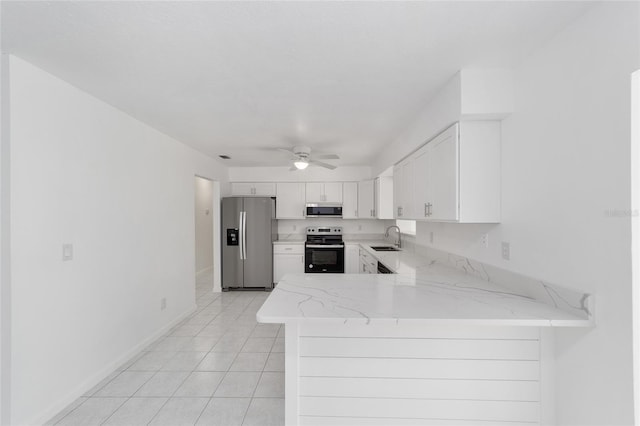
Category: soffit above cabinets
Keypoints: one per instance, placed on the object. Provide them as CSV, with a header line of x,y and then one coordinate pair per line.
x,y
240,78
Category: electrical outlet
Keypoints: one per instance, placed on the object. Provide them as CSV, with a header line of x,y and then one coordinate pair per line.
x,y
67,252
295,227
359,227
506,250
485,240
431,237
163,303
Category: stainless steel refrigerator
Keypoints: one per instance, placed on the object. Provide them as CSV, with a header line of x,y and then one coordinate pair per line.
x,y
249,228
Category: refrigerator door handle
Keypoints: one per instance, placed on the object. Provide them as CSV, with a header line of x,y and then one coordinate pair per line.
x,y
240,237
244,235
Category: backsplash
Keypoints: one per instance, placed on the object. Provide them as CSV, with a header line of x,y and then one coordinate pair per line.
x,y
353,229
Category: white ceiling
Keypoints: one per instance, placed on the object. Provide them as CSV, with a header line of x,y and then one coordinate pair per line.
x,y
238,78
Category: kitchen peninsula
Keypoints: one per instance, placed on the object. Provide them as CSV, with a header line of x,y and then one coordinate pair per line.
x,y
435,344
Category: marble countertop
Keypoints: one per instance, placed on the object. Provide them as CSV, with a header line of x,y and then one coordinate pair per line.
x,y
443,296
422,290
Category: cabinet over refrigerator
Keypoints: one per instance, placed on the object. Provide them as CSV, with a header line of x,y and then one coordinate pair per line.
x,y
249,228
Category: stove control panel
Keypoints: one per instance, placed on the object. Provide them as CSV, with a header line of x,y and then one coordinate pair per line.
x,y
324,230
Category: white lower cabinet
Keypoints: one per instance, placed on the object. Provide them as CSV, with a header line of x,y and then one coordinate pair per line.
x,y
367,264
287,259
351,258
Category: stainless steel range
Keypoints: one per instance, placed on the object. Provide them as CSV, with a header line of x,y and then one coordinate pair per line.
x,y
324,250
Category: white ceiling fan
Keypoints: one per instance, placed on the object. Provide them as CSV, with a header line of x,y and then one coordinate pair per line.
x,y
301,157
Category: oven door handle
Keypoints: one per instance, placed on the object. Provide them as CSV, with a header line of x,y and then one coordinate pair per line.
x,y
324,246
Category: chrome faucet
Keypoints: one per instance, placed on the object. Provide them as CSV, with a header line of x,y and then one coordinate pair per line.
x,y
386,234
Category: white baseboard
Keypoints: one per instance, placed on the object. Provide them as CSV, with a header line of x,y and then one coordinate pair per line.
x,y
204,271
88,384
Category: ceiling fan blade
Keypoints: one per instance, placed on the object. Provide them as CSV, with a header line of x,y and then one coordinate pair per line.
x,y
326,156
321,164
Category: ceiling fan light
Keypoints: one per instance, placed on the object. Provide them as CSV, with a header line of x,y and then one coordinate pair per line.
x,y
301,164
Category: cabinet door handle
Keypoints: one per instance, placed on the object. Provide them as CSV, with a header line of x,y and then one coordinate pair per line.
x,y
426,210
430,211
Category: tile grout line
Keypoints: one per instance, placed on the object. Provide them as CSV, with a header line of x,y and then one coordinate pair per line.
x,y
137,390
228,313
168,399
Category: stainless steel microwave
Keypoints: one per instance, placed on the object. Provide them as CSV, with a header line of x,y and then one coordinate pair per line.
x,y
323,210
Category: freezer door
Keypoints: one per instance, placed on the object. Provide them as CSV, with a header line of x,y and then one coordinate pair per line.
x,y
258,265
232,271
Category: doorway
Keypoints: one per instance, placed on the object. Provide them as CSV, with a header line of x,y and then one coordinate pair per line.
x,y
204,226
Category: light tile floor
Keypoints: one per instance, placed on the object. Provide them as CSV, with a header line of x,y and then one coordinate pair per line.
x,y
217,367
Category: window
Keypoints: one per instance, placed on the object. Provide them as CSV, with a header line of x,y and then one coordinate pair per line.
x,y
407,226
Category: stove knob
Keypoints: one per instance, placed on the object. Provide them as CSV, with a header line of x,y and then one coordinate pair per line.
x,y
311,266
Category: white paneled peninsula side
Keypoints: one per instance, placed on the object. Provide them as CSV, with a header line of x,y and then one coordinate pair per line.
x,y
435,345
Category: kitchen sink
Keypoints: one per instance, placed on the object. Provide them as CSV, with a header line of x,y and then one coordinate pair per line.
x,y
384,248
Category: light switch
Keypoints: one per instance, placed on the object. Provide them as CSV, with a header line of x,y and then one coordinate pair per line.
x,y
67,252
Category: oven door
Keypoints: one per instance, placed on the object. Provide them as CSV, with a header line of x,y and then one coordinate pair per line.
x,y
324,258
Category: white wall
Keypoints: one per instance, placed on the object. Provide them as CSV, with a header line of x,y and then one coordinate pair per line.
x,y
311,174
204,224
565,164
441,112
5,276
122,193
635,232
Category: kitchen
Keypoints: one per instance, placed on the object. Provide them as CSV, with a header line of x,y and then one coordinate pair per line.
x,y
111,152
338,371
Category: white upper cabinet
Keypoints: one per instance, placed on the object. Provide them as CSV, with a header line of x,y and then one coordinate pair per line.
x,y
443,176
455,177
366,199
384,197
422,195
290,200
350,200
315,192
403,189
324,192
264,189
398,193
